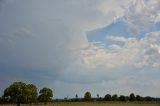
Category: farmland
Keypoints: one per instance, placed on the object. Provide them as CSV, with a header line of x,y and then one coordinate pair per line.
x,y
103,104
93,104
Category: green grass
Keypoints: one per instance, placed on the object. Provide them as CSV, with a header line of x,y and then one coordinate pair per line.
x,y
102,104
92,104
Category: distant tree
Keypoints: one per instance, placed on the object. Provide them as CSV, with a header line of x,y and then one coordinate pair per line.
x,y
87,96
46,95
132,97
107,97
115,97
148,98
16,92
139,98
76,96
1,100
97,96
122,98
127,98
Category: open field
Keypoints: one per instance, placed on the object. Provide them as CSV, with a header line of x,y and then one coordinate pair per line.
x,y
92,104
103,104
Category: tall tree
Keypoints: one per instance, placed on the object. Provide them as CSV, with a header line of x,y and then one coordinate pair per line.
x,y
19,92
132,97
139,98
46,95
87,96
97,96
16,92
76,96
1,100
115,97
32,93
107,97
148,98
122,98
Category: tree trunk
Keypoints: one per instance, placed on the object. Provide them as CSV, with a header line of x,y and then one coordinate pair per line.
x,y
18,103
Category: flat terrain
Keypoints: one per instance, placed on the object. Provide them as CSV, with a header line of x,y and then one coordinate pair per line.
x,y
92,104
103,104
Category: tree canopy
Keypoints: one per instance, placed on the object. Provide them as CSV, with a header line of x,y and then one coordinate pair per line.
x,y
46,95
122,98
115,97
107,97
19,92
87,96
132,97
32,93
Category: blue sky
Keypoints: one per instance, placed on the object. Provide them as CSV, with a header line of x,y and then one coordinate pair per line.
x,y
118,28
74,46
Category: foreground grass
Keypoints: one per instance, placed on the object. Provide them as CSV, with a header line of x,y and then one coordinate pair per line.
x,y
92,104
102,104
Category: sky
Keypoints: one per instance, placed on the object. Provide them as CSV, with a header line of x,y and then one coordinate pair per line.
x,y
74,46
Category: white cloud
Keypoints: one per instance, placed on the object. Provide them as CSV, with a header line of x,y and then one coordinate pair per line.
x,y
59,52
137,61
133,52
122,39
141,16
47,37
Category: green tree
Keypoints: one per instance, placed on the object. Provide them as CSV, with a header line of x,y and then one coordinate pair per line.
x,y
46,95
1,100
32,93
139,98
97,96
148,98
87,96
76,96
16,93
132,97
107,97
115,97
122,98
19,92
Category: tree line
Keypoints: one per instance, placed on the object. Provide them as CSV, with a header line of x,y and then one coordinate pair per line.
x,y
22,93
108,97
132,97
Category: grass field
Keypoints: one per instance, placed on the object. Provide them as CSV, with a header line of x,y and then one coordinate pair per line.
x,y
103,104
92,104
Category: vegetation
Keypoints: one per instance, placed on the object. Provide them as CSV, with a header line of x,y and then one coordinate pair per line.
x,y
139,98
31,93
100,104
87,96
92,104
132,97
46,95
122,98
108,97
22,93
115,97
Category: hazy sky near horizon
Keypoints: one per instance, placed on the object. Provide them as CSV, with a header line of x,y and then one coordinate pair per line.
x,y
74,46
